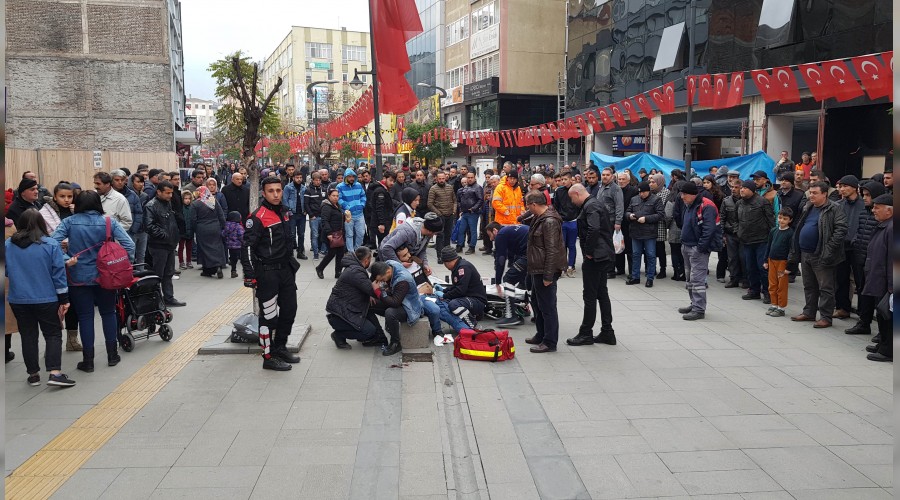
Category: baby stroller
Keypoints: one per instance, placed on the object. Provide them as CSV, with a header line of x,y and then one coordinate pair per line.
x,y
141,307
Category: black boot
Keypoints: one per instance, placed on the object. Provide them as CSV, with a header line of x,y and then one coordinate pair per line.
x,y
606,337
391,349
581,339
87,363
112,353
661,274
280,351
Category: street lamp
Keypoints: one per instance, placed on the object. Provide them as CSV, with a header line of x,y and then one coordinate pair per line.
x,y
357,84
440,90
311,89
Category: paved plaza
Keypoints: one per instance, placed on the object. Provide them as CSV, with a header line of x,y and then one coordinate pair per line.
x,y
737,406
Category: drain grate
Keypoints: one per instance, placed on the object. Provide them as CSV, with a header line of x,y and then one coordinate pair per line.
x,y
417,357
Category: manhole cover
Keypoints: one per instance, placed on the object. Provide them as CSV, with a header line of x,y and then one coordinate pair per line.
x,y
421,357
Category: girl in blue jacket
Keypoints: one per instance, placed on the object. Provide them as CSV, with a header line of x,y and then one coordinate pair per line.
x,y
38,295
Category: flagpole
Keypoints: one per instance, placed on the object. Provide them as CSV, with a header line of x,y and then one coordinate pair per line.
x,y
690,105
375,94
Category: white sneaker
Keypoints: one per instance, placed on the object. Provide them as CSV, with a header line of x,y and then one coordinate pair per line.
x,y
448,339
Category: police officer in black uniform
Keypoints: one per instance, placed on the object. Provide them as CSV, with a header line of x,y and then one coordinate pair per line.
x,y
270,267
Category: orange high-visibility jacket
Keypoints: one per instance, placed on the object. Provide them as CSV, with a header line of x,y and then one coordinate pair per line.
x,y
507,203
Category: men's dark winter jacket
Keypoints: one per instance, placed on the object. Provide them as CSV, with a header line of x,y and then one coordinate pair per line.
x,y
349,299
755,220
832,229
651,209
595,231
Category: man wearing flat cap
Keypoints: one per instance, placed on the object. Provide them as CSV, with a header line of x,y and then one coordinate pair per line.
x,y
27,197
852,205
880,278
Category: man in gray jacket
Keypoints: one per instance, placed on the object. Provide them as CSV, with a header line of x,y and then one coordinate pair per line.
x,y
819,247
414,234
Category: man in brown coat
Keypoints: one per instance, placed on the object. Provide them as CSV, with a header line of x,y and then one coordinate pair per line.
x,y
546,263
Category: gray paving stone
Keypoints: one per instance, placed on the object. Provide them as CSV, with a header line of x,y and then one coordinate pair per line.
x,y
539,440
603,477
633,412
106,458
874,454
202,494
504,463
806,468
422,474
135,483
556,478
86,483
493,428
726,481
703,461
648,475
181,478
207,448
525,490
375,483
842,494
761,431
682,434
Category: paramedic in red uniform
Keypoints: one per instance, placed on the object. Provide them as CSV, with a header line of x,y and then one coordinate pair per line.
x,y
270,267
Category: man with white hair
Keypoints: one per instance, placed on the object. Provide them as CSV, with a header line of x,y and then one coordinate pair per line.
x,y
236,197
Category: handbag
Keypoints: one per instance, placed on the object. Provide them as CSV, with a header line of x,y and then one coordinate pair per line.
x,y
337,239
484,345
618,241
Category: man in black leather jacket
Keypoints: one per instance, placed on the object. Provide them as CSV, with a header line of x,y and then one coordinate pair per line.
x,y
595,235
162,238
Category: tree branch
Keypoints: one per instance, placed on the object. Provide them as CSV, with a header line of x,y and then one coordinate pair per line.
x,y
255,82
245,100
271,95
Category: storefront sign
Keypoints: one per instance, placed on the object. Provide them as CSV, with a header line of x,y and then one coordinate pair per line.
x,y
98,160
482,88
487,40
482,150
629,142
455,96
320,65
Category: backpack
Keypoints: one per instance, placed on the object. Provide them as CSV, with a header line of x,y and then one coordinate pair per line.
x,y
718,238
114,270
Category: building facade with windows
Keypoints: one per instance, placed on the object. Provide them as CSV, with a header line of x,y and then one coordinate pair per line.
x,y
308,55
503,59
200,114
615,50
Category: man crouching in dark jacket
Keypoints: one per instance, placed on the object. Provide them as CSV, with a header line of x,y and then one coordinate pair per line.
x,y
348,310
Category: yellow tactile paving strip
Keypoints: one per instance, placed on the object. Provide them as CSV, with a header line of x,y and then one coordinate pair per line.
x,y
42,474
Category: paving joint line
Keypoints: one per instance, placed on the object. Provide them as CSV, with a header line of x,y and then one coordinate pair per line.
x,y
50,467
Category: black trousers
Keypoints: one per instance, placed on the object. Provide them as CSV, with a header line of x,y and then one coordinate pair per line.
x,y
344,330
234,255
735,258
677,258
842,274
593,277
488,244
333,253
721,266
276,292
661,255
543,301
392,318
45,316
886,331
162,262
442,239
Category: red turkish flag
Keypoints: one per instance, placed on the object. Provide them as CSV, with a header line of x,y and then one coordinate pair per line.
x,y
705,91
692,88
633,116
572,128
737,90
545,134
645,106
819,82
394,22
604,117
664,97
766,85
585,130
554,132
845,85
617,114
877,77
786,81
595,125
720,91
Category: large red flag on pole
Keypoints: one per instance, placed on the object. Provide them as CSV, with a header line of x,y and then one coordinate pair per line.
x,y
394,22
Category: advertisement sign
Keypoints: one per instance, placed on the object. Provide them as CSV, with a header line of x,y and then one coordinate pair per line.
x,y
482,88
320,65
455,96
629,142
485,41
98,160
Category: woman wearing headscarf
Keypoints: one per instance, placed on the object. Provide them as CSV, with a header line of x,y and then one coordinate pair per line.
x,y
54,212
208,220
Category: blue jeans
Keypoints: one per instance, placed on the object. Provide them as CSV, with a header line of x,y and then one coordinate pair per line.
x,y
570,236
314,225
433,313
140,246
354,232
475,308
83,299
639,248
470,226
754,258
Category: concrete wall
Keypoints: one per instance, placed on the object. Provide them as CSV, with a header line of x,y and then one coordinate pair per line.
x,y
532,44
88,75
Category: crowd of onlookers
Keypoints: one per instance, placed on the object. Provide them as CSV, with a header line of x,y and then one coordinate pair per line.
x,y
766,231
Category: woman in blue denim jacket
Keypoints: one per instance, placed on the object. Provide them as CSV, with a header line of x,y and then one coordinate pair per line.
x,y
86,231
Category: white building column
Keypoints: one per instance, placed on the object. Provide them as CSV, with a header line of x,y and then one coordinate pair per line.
x,y
655,134
673,142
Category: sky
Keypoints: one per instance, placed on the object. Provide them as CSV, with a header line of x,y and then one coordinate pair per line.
x,y
213,28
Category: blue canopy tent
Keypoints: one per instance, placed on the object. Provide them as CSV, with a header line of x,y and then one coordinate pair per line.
x,y
746,165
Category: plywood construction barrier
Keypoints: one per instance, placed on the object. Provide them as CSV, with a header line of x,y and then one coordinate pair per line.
x,y
54,165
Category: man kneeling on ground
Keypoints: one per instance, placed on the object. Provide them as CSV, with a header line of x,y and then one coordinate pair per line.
x,y
465,299
348,310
